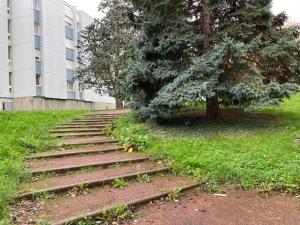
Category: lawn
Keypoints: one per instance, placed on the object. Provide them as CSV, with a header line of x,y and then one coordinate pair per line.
x,y
23,133
254,150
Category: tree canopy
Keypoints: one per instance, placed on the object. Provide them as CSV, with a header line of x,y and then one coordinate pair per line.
x,y
228,52
106,45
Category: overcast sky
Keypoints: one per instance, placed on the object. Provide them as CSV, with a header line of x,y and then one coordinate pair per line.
x,y
292,7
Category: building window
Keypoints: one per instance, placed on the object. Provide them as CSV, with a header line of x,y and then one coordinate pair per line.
x,y
70,84
38,80
36,4
9,26
70,54
36,15
36,29
10,81
38,67
37,42
70,75
9,52
8,6
69,33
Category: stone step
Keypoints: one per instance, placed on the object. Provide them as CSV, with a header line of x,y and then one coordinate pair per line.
x,y
77,151
97,117
77,130
86,180
65,209
87,141
61,165
80,122
91,121
80,126
77,134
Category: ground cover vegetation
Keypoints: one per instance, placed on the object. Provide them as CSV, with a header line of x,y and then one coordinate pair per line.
x,y
254,150
23,133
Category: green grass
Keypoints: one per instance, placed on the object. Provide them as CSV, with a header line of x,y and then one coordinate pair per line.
x,y
23,133
252,150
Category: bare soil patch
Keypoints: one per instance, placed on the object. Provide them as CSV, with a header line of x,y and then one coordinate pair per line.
x,y
237,208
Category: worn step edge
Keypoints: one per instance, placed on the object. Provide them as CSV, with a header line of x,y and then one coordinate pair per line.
x,y
103,164
79,126
94,118
88,134
99,115
134,203
91,183
63,154
89,143
84,123
75,130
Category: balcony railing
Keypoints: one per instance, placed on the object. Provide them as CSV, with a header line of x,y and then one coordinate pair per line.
x,y
36,14
37,42
39,91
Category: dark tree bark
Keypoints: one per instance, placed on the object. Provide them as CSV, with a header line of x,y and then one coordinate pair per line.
x,y
213,110
119,103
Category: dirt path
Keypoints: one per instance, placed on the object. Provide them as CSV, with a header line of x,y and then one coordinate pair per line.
x,y
237,208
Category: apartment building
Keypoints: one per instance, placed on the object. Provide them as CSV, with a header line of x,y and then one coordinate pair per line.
x,y
39,52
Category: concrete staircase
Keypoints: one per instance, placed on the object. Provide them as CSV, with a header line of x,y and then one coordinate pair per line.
x,y
75,181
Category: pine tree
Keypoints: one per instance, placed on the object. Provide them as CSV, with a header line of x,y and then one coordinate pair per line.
x,y
234,53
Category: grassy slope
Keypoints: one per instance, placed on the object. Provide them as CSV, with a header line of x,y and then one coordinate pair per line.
x,y
21,134
256,152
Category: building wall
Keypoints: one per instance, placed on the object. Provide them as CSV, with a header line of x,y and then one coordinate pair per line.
x,y
40,103
52,54
4,87
23,48
53,49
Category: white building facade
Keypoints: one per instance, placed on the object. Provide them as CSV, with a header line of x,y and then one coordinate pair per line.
x,y
39,52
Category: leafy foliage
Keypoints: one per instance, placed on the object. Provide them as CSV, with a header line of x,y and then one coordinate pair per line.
x,y
119,183
106,45
132,137
236,52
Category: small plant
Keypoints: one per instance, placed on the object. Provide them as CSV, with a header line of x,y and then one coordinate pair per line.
x,y
174,194
119,183
44,195
120,213
144,178
162,190
212,187
110,129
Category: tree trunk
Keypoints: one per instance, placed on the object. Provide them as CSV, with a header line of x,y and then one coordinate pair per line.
x,y
119,104
213,110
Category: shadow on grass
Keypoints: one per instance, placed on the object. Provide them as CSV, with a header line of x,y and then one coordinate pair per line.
x,y
194,123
